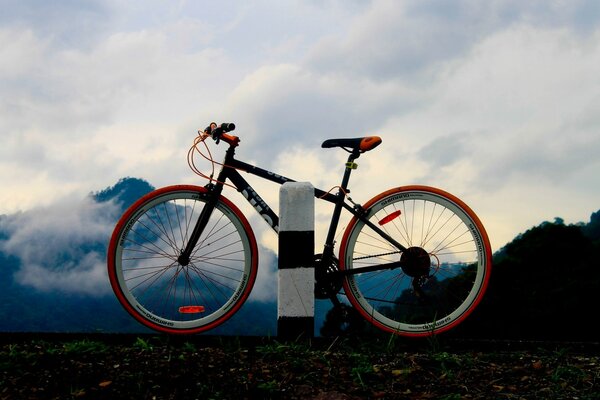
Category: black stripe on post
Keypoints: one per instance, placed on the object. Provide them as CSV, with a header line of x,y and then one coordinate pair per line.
x,y
296,249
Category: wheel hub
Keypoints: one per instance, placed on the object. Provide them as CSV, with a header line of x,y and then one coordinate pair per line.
x,y
183,260
415,262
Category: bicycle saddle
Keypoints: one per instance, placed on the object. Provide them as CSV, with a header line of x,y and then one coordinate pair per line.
x,y
362,144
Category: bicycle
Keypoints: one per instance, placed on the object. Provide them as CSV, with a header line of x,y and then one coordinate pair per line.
x,y
414,260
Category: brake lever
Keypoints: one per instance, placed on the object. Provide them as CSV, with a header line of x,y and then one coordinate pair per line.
x,y
213,131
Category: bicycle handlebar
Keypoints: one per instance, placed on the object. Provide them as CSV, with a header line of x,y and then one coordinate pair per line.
x,y
218,132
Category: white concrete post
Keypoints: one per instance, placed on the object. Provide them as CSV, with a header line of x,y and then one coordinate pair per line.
x,y
296,300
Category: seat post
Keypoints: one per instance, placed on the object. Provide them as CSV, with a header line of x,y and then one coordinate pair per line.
x,y
337,210
353,156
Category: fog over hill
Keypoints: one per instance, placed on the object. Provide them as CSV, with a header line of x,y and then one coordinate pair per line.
x,y
53,268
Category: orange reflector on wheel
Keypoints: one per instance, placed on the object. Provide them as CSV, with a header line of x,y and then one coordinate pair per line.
x,y
191,309
390,217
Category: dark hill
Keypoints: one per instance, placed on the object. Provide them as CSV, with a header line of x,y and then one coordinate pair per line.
x,y
545,285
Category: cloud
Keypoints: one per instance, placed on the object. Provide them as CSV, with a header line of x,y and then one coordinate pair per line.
x,y
286,105
265,286
391,63
445,150
61,247
69,114
405,40
527,99
66,22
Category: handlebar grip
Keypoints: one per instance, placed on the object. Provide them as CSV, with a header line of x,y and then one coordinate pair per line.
x,y
214,129
227,126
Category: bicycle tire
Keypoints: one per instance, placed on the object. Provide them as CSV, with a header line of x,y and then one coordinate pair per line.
x,y
446,277
150,283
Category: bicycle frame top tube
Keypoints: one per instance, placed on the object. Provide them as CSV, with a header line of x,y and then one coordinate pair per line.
x,y
230,169
270,176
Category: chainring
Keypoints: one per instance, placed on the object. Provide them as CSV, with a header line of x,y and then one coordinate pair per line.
x,y
328,281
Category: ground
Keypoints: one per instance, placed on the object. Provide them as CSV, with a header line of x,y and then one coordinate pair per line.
x,y
155,367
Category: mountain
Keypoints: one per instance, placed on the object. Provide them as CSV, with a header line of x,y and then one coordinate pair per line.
x,y
125,192
29,307
47,286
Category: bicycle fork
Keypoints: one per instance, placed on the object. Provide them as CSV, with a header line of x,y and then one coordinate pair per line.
x,y
213,197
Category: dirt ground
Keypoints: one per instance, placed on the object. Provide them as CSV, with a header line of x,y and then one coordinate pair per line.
x,y
149,367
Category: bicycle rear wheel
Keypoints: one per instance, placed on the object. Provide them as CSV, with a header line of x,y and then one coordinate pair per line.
x,y
155,288
440,278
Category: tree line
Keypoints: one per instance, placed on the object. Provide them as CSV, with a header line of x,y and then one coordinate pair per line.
x,y
544,285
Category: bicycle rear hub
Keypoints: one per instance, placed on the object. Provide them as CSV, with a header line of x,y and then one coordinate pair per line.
x,y
415,262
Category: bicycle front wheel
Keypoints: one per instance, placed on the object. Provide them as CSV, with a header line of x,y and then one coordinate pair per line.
x,y
433,285
155,288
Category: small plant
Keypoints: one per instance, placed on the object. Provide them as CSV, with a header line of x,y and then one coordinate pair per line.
x,y
448,363
231,345
434,344
85,346
453,396
433,339
283,349
560,354
189,347
13,350
142,345
36,347
568,373
362,368
270,349
77,392
270,387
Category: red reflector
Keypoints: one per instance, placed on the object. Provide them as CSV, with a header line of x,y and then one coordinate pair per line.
x,y
191,309
390,217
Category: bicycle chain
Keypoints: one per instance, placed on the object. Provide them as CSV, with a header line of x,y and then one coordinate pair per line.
x,y
377,255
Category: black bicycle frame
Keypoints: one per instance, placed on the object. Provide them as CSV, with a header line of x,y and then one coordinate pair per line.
x,y
229,171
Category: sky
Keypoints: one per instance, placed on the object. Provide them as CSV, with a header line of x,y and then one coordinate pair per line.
x,y
496,102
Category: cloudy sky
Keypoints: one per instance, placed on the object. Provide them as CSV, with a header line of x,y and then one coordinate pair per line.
x,y
497,102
